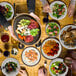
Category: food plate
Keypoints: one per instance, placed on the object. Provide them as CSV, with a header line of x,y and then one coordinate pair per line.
x,y
51,48
52,29
26,29
30,56
59,10
69,33
5,6
55,62
12,73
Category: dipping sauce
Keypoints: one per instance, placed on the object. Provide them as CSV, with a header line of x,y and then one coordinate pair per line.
x,y
5,38
6,53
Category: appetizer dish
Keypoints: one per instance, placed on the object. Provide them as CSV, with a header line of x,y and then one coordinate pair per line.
x,y
7,10
27,30
30,56
10,66
59,10
58,68
52,29
68,37
51,48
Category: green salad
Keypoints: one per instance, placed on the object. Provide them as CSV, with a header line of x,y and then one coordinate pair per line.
x,y
52,29
58,10
10,66
57,68
6,11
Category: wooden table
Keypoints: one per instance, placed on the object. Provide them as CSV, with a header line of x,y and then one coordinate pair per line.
x,y
21,7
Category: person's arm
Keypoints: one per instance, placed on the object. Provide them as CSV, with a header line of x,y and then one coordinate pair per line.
x,y
73,2
44,2
31,5
3,21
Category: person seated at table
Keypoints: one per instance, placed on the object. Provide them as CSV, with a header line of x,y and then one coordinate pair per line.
x,y
41,72
71,8
31,8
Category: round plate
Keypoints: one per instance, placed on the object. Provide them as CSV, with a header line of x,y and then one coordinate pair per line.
x,y
12,10
59,2
11,73
61,60
50,57
26,60
62,42
57,25
16,22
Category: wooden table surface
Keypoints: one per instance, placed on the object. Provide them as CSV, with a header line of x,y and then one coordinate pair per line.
x,y
21,7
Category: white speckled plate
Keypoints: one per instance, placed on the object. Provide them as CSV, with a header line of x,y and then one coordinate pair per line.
x,y
12,9
62,42
51,6
14,73
61,60
56,55
26,60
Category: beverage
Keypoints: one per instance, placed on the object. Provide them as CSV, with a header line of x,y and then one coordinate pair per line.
x,y
6,46
5,38
6,53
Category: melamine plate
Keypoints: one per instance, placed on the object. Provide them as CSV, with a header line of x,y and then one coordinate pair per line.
x,y
61,60
62,42
51,6
12,9
26,60
56,55
11,73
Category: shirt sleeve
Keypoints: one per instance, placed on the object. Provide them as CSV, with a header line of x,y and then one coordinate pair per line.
x,y
31,5
73,2
3,21
44,2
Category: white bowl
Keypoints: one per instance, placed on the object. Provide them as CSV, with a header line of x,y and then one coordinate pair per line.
x,y
12,9
14,73
61,60
26,60
62,42
59,2
56,55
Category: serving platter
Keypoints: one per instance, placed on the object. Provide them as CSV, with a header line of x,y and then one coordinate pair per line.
x,y
16,22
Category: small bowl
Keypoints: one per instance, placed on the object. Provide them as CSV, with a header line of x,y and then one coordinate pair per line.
x,y
52,21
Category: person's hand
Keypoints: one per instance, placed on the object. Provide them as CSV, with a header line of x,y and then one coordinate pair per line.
x,y
22,72
71,10
10,28
35,16
46,8
42,72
